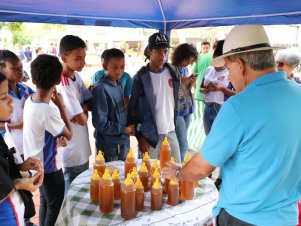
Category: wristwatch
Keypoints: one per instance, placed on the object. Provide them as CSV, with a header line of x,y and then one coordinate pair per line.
x,y
177,173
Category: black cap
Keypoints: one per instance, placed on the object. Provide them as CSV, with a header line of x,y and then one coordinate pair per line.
x,y
158,40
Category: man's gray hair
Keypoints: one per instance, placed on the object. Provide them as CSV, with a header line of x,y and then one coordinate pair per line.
x,y
257,60
289,57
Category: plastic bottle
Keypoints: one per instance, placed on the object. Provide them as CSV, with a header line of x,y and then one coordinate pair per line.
x,y
154,176
187,187
128,199
106,193
154,166
173,193
116,182
156,195
164,153
100,164
146,159
130,162
166,181
139,195
94,186
134,174
144,176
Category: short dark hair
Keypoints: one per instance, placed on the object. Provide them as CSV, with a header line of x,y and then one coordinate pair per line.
x,y
183,52
46,71
6,55
112,53
69,43
103,54
205,43
2,77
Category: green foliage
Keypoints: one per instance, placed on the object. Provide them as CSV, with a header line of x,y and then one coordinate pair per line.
x,y
19,35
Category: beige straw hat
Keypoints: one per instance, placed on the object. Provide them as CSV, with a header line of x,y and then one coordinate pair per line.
x,y
244,38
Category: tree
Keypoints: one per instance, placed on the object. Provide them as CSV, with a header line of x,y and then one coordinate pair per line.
x,y
19,36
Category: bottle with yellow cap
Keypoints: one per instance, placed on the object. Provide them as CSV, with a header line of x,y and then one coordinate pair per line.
x,y
164,153
128,199
166,181
154,166
94,187
139,195
146,160
156,195
130,162
144,176
187,187
116,182
106,193
154,176
100,164
134,174
173,193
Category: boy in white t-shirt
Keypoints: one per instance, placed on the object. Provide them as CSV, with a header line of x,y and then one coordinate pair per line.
x,y
76,98
44,126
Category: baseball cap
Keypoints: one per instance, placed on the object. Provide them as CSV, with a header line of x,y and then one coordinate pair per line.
x,y
158,40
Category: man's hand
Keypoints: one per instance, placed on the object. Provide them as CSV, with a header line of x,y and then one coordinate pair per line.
x,y
30,184
169,171
62,141
32,164
130,130
57,99
143,145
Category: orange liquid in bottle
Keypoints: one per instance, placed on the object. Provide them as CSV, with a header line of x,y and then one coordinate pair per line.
x,y
106,193
116,182
146,160
94,187
156,195
173,193
187,190
154,176
128,199
130,162
164,153
139,195
100,164
144,176
166,184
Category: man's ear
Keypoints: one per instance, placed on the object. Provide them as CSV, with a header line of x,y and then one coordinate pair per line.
x,y
242,66
64,58
105,66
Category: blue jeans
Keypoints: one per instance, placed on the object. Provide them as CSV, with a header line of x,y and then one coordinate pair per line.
x,y
51,198
181,131
114,152
210,113
70,173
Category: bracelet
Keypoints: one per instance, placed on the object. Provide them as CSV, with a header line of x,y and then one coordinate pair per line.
x,y
177,173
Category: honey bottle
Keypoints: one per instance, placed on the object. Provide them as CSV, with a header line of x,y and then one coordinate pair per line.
x,y
139,195
154,166
147,161
130,162
116,182
166,181
155,175
134,174
106,193
94,186
173,193
187,187
100,164
128,199
164,153
144,176
156,195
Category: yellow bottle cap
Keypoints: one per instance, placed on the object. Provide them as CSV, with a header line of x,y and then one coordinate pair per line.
x,y
130,154
157,183
156,173
99,156
106,175
138,183
128,180
143,167
172,160
173,182
115,174
187,158
155,163
146,157
134,172
165,141
95,175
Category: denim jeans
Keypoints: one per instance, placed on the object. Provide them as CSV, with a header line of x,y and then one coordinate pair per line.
x,y
181,131
174,146
70,173
225,219
210,113
51,198
114,152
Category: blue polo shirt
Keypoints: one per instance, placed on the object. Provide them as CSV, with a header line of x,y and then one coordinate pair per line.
x,y
256,139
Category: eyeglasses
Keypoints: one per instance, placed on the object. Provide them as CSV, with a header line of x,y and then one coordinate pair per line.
x,y
280,64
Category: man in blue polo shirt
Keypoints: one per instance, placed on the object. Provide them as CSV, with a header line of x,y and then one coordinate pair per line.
x,y
255,138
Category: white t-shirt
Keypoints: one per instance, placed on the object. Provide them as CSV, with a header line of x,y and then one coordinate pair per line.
x,y
42,124
220,78
75,93
165,103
